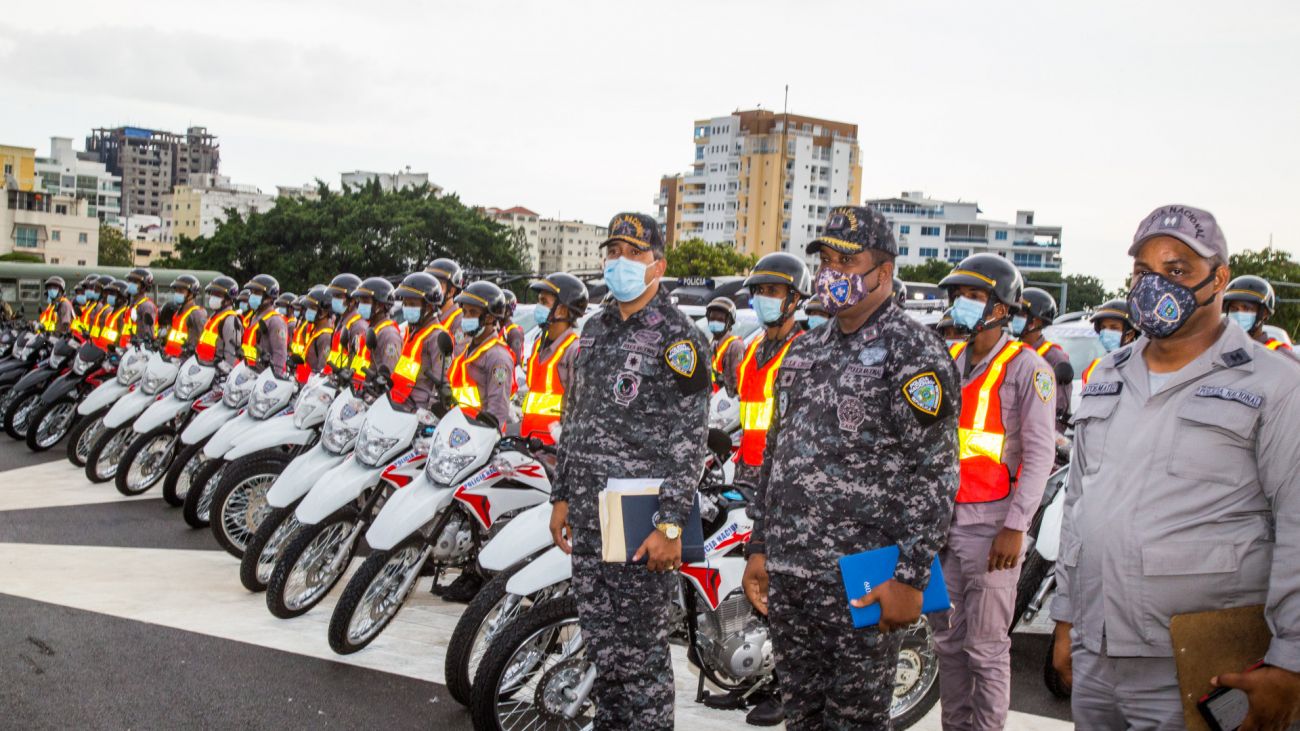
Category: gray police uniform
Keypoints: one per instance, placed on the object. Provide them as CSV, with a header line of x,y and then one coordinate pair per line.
x,y
194,323
637,408
318,345
229,347
384,346
1182,500
493,373
729,374
145,316
63,316
1064,391
861,454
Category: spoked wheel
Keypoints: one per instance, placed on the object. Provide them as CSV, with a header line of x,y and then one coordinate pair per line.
x,y
18,416
533,672
85,430
264,548
916,686
374,595
146,460
198,499
239,502
104,456
176,484
50,423
311,565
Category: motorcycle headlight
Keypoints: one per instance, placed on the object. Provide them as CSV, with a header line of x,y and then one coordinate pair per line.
x,y
310,405
187,382
237,393
80,366
56,361
342,425
372,445
5,348
152,384
443,465
131,368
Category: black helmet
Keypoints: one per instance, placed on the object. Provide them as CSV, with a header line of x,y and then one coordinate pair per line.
x,y
243,295
568,290
286,299
726,306
343,284
1252,289
900,290
117,287
1113,310
300,301
448,271
187,282
422,285
104,280
222,286
57,281
265,285
142,275
89,280
814,304
511,301
781,268
318,297
486,295
1037,303
991,273
376,288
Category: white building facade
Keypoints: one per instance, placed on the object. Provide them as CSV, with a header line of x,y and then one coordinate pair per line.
x,y
79,174
527,226
389,182
570,246
57,228
927,228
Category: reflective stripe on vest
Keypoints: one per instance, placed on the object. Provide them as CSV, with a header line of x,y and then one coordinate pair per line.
x,y
336,358
1087,372
545,400
108,333
1274,344
249,346
304,369
95,317
718,354
49,317
132,325
506,331
463,386
981,434
1046,346
179,332
450,318
361,360
408,366
206,350
755,387
956,349
298,343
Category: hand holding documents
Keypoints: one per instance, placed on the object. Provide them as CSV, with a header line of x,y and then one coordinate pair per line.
x,y
627,516
864,571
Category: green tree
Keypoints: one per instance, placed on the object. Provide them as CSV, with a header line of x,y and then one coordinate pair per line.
x,y
1083,290
699,258
364,230
929,272
1280,268
22,256
114,248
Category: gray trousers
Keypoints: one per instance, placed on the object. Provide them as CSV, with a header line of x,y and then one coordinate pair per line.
x,y
1121,693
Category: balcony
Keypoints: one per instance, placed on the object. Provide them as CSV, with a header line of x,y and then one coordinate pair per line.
x,y
1038,244
967,239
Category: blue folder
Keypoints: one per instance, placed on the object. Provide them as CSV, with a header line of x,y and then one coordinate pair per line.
x,y
864,571
638,522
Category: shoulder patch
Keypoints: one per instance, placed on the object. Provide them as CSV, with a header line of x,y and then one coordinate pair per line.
x,y
1253,400
500,374
1108,388
1044,384
681,357
1121,356
924,393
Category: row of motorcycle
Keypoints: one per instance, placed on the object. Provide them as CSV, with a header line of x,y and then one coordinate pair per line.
x,y
296,481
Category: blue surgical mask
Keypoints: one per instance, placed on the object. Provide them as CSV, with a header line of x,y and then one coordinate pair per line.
x,y
112,300
1018,324
469,326
768,309
178,298
816,321
81,299
338,304
51,293
1245,319
243,306
412,314
365,309
284,311
92,296
309,315
625,278
255,301
132,288
967,313
214,302
716,327
541,315
1110,339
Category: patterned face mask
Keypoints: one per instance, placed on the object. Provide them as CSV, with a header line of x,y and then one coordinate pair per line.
x,y
1163,306
840,291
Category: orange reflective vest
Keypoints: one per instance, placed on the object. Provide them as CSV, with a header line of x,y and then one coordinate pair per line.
x,y
408,365
361,358
463,386
545,400
178,334
1087,372
337,357
132,326
1275,344
206,350
450,320
249,345
109,332
755,387
981,434
718,354
304,370
298,341
96,316
506,331
50,315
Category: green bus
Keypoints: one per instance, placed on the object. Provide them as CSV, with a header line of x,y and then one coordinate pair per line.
x,y
22,285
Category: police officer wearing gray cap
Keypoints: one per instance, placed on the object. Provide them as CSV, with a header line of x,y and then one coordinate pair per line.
x,y
1183,495
861,454
638,409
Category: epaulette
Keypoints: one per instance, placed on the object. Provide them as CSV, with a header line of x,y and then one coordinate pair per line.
x,y
1234,358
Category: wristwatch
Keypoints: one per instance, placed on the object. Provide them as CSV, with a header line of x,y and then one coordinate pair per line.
x,y
671,531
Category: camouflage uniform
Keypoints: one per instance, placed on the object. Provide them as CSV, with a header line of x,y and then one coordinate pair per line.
x,y
638,407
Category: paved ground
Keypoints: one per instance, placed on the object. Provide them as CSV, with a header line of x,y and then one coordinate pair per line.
x,y
117,615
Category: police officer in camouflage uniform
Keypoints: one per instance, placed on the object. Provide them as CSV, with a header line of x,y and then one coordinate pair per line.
x,y
638,409
862,454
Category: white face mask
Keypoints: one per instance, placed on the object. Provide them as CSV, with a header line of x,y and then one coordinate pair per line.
x,y
214,302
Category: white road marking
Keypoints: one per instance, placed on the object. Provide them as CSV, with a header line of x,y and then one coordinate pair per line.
x,y
58,484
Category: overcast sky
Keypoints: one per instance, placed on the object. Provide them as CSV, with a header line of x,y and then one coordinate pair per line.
x,y
1089,115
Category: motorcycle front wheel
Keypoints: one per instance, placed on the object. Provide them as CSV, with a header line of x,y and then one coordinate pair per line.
x,y
916,676
146,461
176,483
197,509
264,548
50,423
106,454
239,501
85,430
375,594
18,415
312,564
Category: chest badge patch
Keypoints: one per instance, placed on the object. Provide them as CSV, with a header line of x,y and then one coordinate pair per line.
x,y
1044,384
872,355
681,358
924,392
626,387
851,413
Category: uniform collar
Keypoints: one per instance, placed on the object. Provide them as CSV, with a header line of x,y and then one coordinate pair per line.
x,y
1232,349
641,316
977,368
868,330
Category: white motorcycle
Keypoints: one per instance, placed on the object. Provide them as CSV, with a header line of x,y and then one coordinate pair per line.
x,y
257,459
268,415
1037,581
92,409
156,430
335,513
213,413
106,453
472,480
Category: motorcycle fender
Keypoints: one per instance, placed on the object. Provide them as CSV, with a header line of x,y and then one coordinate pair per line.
x,y
225,437
275,432
1048,544
159,413
62,386
206,423
335,489
39,378
300,474
102,397
548,569
407,510
127,408
526,534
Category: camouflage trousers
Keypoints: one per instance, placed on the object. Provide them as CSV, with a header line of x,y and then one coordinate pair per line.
x,y
833,676
624,611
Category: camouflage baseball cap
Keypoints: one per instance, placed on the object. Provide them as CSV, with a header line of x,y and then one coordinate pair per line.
x,y
636,229
1193,226
851,229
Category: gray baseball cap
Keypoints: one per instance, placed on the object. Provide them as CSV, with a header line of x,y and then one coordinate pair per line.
x,y
1195,227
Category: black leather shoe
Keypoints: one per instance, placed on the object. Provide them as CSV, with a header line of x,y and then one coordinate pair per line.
x,y
463,589
769,712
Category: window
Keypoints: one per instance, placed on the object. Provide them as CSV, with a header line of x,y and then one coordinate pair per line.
x,y
905,229
902,251
927,252
929,230
1000,236
82,238
56,235
9,169
1031,260
26,236
956,255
